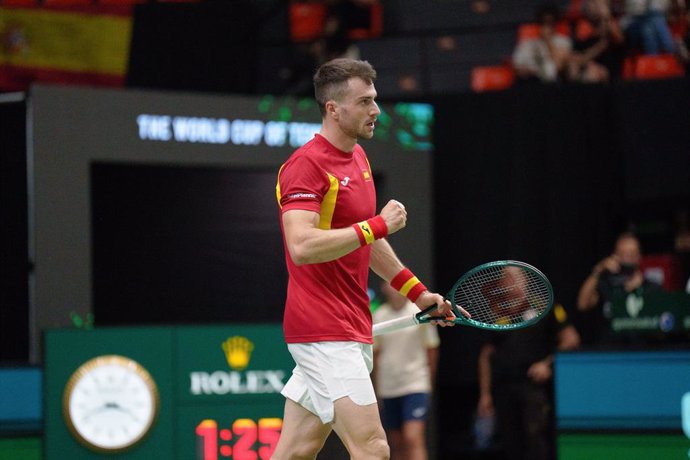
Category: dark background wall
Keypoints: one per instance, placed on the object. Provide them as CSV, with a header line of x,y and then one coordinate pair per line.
x,y
14,266
549,175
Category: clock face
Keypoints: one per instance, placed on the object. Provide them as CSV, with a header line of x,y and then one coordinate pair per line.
x,y
110,403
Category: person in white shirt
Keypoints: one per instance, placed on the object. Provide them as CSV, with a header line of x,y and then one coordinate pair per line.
x,y
404,369
543,58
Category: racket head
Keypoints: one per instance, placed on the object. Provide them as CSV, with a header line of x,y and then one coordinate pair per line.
x,y
502,295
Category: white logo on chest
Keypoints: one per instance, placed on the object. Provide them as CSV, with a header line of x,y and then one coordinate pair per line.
x,y
345,181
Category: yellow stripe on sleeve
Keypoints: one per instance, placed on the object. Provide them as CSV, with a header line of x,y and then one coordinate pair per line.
x,y
278,195
328,204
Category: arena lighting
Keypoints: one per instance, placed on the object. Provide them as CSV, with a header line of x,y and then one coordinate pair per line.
x,y
168,128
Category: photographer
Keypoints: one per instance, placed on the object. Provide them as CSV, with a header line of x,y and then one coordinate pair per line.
x,y
614,277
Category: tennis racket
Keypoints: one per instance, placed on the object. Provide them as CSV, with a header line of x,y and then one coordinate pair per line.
x,y
499,296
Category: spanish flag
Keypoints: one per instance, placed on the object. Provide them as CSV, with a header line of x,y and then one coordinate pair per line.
x,y
62,46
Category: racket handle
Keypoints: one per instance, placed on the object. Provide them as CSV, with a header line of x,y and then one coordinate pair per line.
x,y
394,325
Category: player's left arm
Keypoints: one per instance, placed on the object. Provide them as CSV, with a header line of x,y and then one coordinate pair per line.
x,y
386,264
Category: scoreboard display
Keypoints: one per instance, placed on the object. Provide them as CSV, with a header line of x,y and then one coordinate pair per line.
x,y
218,392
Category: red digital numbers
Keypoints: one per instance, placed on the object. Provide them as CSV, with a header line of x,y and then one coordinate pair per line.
x,y
269,432
239,442
244,446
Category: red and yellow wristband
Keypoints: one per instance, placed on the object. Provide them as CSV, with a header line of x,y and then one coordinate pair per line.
x,y
407,284
371,230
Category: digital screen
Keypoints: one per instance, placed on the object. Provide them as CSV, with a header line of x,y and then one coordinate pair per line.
x,y
245,439
280,123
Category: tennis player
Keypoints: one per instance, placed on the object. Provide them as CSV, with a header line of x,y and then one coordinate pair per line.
x,y
332,237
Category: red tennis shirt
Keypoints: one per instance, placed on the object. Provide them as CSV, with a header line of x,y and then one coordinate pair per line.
x,y
328,301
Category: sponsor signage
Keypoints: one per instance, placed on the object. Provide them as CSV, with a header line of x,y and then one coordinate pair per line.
x,y
229,380
231,362
657,312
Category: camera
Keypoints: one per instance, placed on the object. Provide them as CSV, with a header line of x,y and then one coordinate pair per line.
x,y
619,278
628,269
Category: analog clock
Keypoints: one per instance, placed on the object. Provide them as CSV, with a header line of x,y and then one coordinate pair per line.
x,y
110,403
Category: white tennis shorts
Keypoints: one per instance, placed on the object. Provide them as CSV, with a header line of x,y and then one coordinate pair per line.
x,y
328,371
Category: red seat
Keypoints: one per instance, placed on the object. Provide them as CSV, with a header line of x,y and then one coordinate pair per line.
x,y
658,66
583,29
375,24
306,20
492,78
628,70
530,30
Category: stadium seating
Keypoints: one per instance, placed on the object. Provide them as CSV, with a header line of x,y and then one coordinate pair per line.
x,y
492,78
645,67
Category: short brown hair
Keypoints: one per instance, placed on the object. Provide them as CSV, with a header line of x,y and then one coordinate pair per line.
x,y
330,80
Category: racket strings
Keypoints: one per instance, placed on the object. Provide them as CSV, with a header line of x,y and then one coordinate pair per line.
x,y
503,295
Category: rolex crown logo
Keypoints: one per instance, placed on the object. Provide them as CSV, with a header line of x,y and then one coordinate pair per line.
x,y
238,351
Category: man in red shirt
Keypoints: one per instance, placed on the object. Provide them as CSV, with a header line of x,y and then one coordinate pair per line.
x,y
332,237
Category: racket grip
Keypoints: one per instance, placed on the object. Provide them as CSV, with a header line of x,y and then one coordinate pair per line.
x,y
394,325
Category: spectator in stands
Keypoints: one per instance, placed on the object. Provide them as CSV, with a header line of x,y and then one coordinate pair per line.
x,y
598,45
334,42
343,16
646,28
515,371
545,57
611,279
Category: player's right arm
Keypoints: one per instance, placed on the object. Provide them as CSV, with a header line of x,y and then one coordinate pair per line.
x,y
308,244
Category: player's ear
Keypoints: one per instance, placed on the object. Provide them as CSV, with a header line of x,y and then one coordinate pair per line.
x,y
332,109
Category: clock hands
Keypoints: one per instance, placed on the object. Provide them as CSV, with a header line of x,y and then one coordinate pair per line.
x,y
110,406
126,411
95,411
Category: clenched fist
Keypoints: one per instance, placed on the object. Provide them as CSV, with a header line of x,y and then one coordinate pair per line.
x,y
394,215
